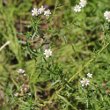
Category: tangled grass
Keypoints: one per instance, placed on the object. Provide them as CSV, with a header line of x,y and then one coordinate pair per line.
x,y
57,59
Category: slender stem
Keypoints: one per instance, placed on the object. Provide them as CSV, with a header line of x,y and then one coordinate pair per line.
x,y
87,63
74,76
3,46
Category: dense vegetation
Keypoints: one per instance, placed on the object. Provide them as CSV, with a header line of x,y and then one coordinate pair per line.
x,y
57,58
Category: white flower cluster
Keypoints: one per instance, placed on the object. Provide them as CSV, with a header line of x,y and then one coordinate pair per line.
x,y
41,10
107,15
21,71
47,53
86,81
81,5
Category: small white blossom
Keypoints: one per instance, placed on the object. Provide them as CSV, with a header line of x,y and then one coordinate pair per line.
x,y
24,74
83,3
21,71
47,53
41,10
47,12
16,94
84,82
77,8
107,15
35,12
29,94
89,75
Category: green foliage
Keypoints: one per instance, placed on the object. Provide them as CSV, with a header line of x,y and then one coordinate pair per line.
x,y
80,44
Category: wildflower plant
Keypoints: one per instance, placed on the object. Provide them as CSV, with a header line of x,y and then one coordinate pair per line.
x,y
37,37
79,6
107,15
60,60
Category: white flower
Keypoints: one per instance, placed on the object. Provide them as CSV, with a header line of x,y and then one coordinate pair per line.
x,y
83,3
29,94
21,71
84,82
89,75
47,12
41,10
107,15
24,74
35,12
16,94
47,53
77,8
